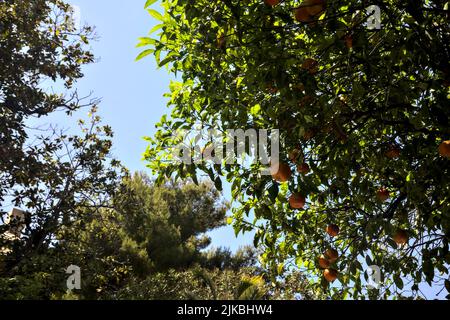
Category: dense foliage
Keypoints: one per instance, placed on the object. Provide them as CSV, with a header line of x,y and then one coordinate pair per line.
x,y
130,238
363,115
57,178
147,234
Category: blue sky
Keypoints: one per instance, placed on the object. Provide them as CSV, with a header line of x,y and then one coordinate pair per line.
x,y
131,92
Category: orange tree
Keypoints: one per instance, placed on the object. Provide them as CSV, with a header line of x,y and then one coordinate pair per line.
x,y
364,120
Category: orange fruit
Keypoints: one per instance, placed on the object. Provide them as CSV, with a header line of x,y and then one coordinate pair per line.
x,y
311,65
274,171
309,134
314,7
271,88
444,149
272,2
333,230
323,262
300,87
303,168
349,41
297,201
383,194
283,173
393,153
330,275
332,255
305,100
400,237
294,154
302,15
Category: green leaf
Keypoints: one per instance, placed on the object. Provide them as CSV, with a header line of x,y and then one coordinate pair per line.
x,y
144,54
155,28
398,282
409,177
447,285
255,110
273,191
145,41
280,268
155,14
218,184
149,3
166,60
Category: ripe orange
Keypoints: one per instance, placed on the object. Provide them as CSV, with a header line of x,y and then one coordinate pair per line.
x,y
383,194
302,15
303,168
305,100
300,87
294,154
340,133
309,134
333,230
297,201
323,262
400,237
311,65
314,7
330,275
283,173
272,89
332,255
349,41
393,153
272,2
444,149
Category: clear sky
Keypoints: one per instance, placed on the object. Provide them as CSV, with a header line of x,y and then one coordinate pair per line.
x,y
132,92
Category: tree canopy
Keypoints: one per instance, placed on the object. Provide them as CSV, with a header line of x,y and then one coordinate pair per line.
x,y
80,207
364,123
45,171
148,233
